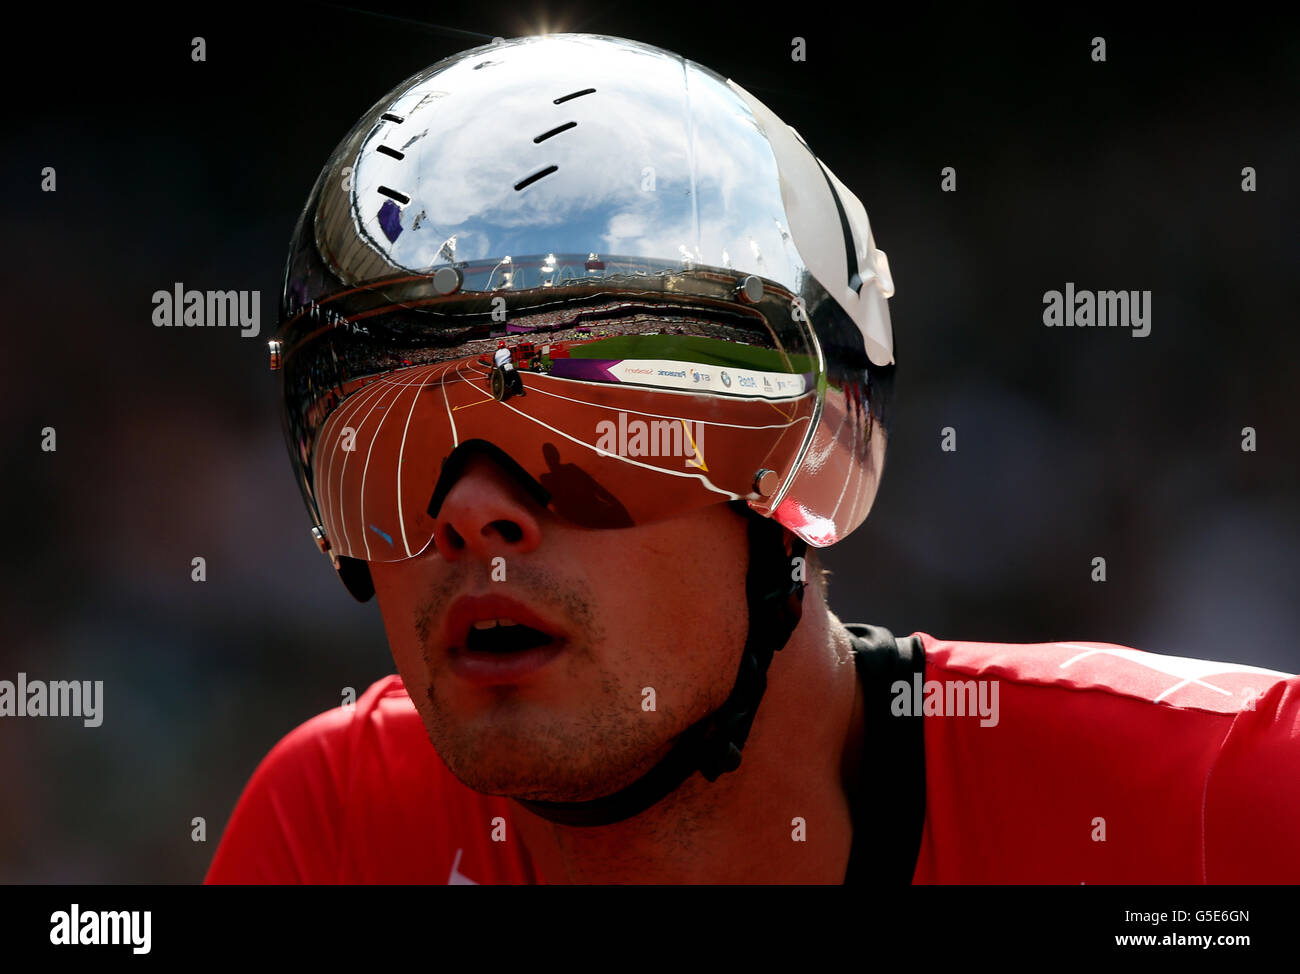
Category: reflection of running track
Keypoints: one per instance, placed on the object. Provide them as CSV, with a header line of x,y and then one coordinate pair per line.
x,y
378,455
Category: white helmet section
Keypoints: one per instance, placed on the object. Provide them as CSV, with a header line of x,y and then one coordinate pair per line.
x,y
810,208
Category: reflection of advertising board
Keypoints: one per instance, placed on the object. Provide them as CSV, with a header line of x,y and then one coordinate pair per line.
x,y
730,381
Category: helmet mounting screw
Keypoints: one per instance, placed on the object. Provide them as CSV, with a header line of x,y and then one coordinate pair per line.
x,y
446,280
750,290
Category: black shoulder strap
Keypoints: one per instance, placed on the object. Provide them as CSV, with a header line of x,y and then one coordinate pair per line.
x,y
888,806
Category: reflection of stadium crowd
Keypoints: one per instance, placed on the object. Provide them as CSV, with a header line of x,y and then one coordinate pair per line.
x,y
563,332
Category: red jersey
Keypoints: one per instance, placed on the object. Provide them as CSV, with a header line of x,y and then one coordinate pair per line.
x,y
1043,763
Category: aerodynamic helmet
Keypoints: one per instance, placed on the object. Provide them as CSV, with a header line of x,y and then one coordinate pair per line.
x,y
699,300
690,271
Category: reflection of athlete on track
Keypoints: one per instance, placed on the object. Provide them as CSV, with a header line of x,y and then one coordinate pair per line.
x,y
504,360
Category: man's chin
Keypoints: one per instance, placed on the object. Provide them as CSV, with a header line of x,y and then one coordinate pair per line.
x,y
521,769
523,783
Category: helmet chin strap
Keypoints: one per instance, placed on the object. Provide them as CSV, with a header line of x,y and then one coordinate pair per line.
x,y
774,591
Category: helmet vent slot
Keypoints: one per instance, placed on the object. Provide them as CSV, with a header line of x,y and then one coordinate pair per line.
x,y
574,94
393,194
390,152
555,131
529,180
388,117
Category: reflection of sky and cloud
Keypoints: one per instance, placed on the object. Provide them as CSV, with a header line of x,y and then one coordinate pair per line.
x,y
729,213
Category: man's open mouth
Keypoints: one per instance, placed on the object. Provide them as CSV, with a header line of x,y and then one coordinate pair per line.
x,y
504,636
495,640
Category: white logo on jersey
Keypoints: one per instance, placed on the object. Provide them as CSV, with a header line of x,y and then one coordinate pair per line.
x,y
1188,670
458,878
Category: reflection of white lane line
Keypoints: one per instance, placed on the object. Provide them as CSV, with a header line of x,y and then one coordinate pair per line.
x,y
442,381
704,481
460,375
358,399
458,878
675,392
401,517
365,538
397,399
417,378
339,422
336,423
371,394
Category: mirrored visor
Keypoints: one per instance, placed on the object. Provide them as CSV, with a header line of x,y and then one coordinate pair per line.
x,y
643,397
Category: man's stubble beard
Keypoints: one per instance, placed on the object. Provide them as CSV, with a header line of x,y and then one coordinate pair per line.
x,y
510,750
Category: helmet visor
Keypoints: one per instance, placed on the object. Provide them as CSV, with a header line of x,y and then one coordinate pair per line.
x,y
658,392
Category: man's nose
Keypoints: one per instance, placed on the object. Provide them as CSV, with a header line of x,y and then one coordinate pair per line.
x,y
486,514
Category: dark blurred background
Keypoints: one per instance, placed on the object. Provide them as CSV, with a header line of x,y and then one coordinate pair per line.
x,y
1071,443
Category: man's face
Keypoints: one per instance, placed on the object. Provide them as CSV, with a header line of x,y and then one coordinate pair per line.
x,y
659,607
